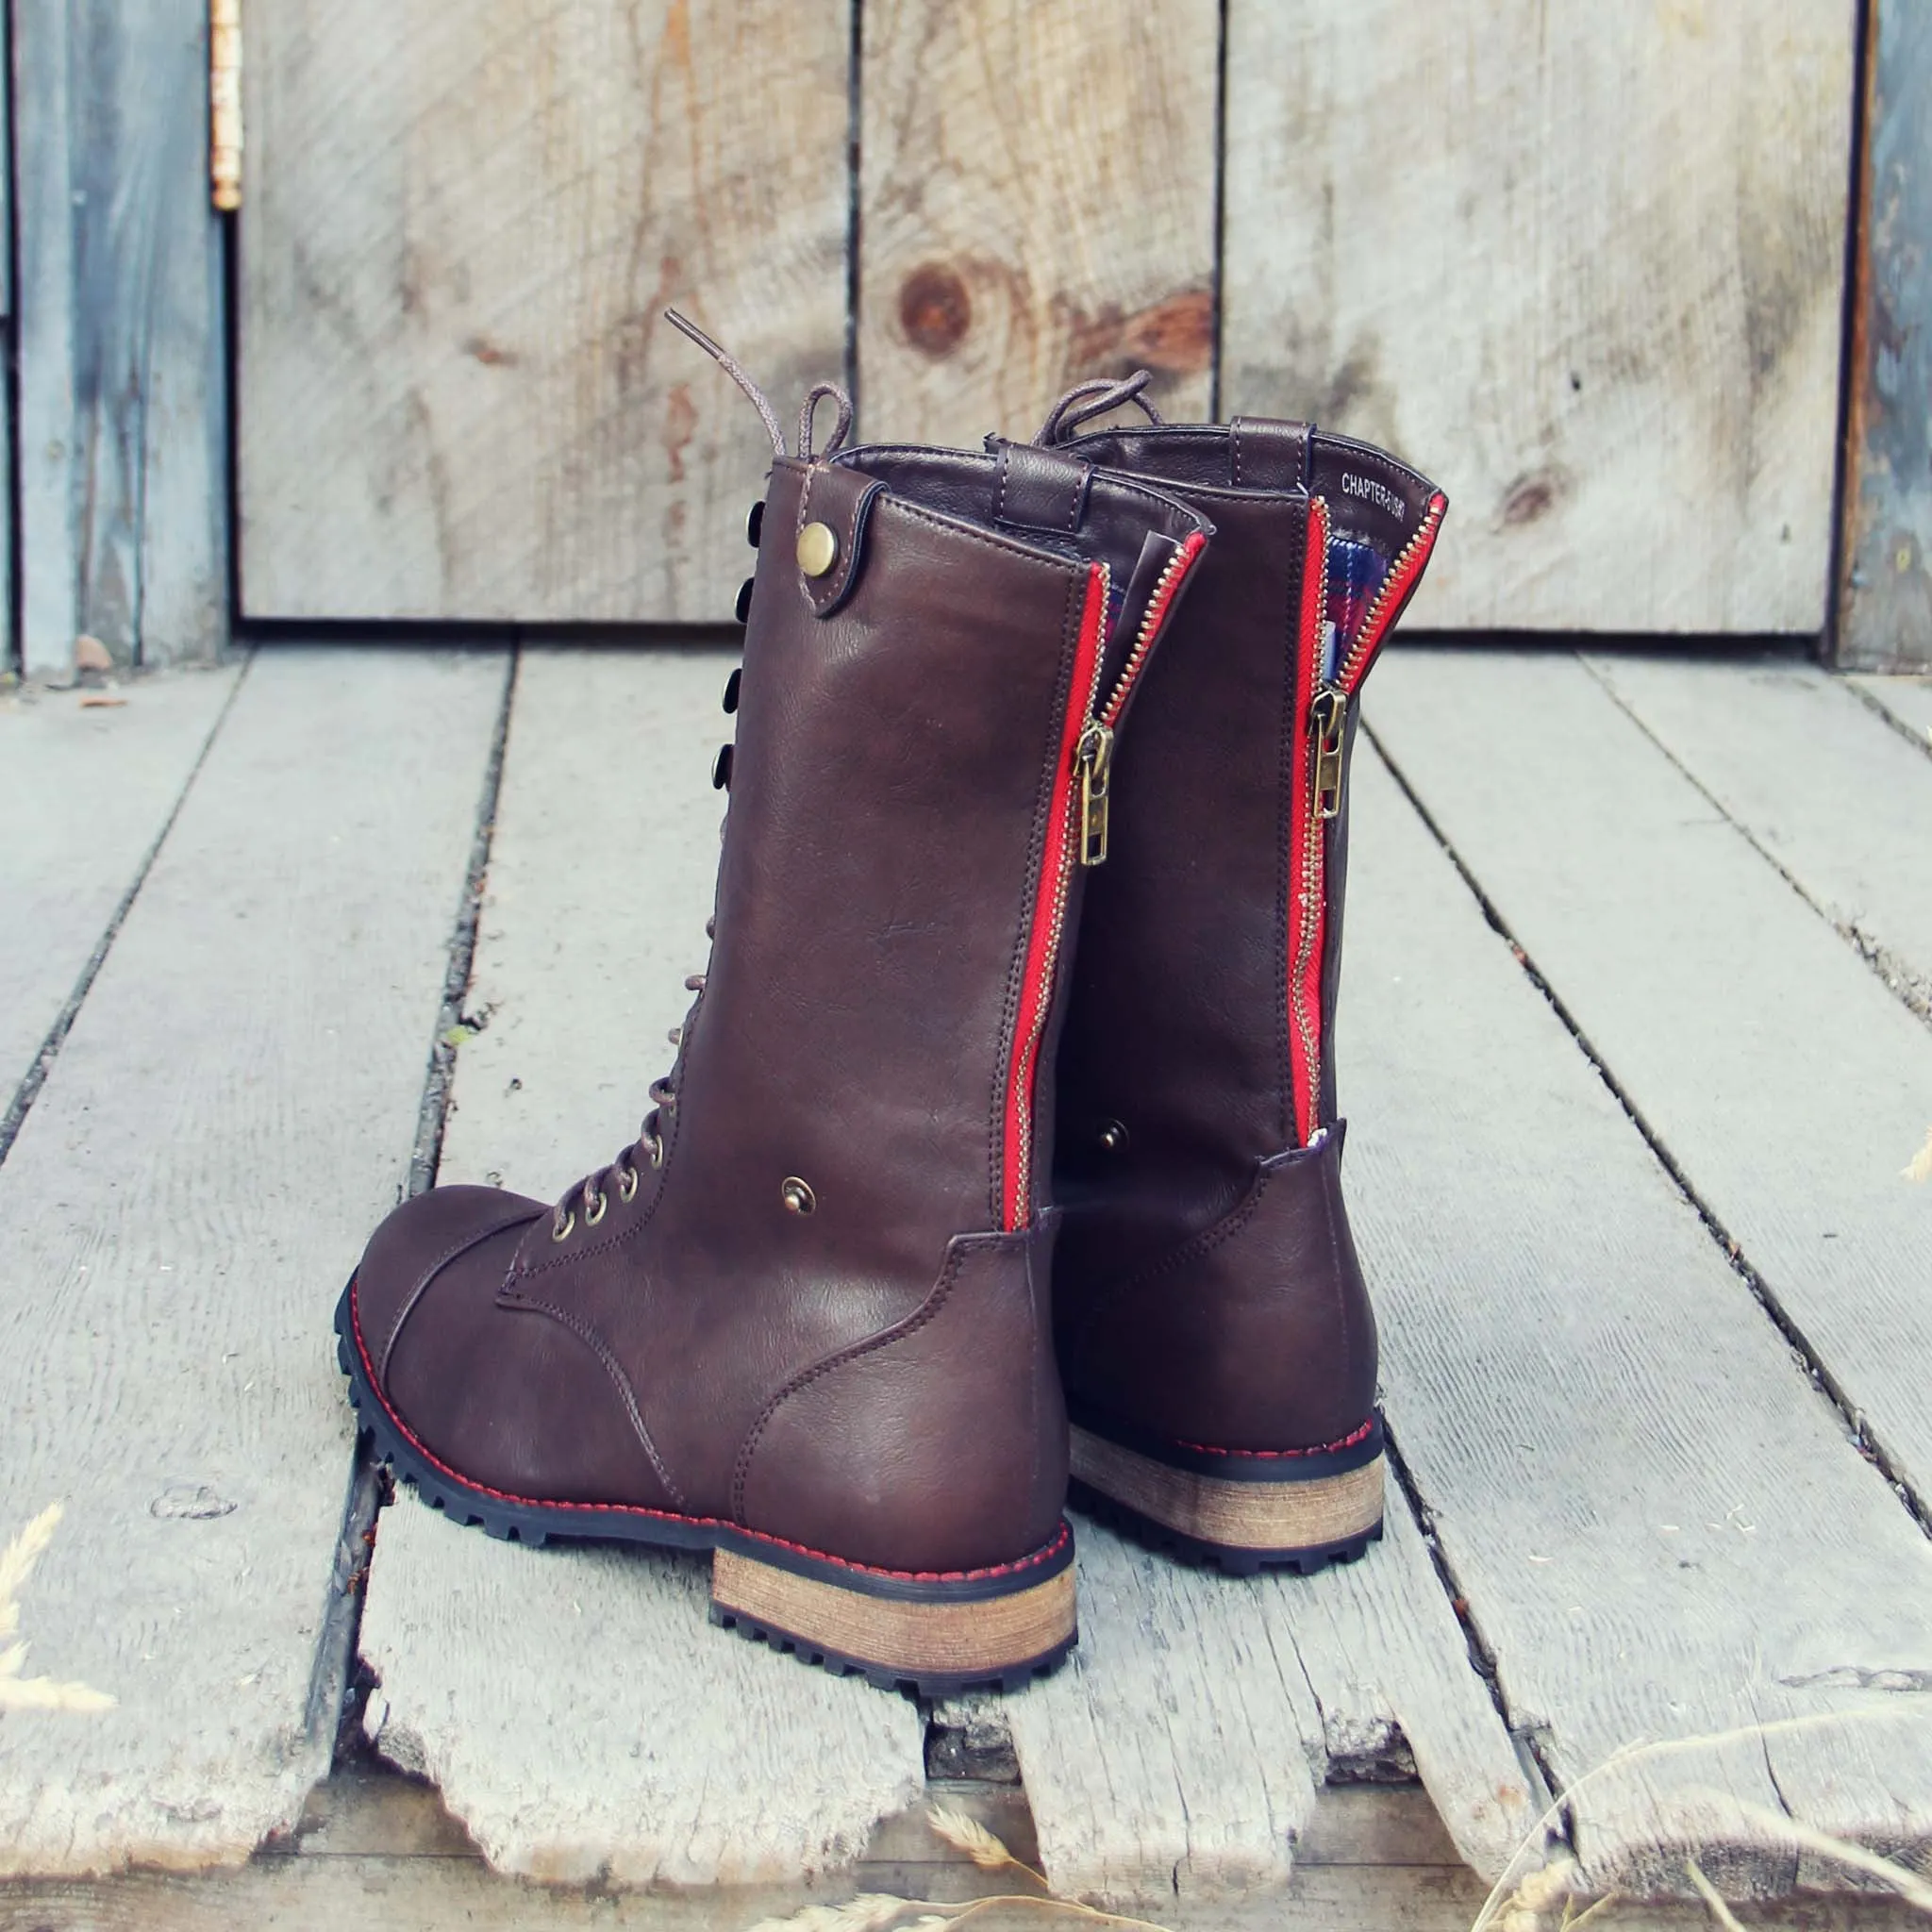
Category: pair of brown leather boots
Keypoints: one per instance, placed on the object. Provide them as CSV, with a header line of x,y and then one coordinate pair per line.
x,y
929,1181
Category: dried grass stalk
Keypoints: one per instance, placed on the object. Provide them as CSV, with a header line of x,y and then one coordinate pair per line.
x,y
17,1562
1907,1883
968,1835
870,1911
1712,1897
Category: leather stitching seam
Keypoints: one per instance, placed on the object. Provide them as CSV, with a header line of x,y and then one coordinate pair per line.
x,y
1026,552
1356,1436
1116,479
436,1267
614,1369
909,1324
1046,1554
1194,1249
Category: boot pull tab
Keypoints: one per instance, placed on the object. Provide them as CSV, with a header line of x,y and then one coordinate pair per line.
x,y
1264,452
728,363
1095,398
834,508
1040,489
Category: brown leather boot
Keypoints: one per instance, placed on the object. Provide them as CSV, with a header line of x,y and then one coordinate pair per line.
x,y
1215,1338
803,1320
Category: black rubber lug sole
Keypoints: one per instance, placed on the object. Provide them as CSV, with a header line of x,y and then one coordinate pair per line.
x,y
932,1688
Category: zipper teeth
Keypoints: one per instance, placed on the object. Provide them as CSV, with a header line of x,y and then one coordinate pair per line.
x,y
1367,636
1150,628
1055,928
1305,1027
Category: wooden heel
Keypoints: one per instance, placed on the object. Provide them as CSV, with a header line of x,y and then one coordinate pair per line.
x,y
941,1636
1303,1521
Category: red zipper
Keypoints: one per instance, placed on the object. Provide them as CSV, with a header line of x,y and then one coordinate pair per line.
x,y
1307,908
1076,832
1320,727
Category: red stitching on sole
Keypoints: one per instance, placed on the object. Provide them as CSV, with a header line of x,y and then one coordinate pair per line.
x,y
1039,1559
1347,1442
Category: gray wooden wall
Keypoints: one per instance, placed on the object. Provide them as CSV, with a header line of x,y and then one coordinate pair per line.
x,y
1621,348
1884,612
122,438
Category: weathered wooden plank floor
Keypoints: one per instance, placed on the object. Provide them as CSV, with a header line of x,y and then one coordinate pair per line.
x,y
237,1097
1908,699
1626,1161
84,795
1661,1527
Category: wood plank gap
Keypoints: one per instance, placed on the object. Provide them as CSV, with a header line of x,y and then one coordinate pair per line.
x,y
235,1106
10,651
450,1017
1857,1427
854,138
1218,270
1851,333
1895,975
1531,1754
1879,708
35,1077
339,1688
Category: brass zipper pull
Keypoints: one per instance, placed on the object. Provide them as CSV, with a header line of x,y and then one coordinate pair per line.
x,y
1329,720
1094,756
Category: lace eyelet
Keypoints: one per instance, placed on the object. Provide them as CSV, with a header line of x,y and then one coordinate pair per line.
x,y
628,1185
560,1231
595,1214
657,1152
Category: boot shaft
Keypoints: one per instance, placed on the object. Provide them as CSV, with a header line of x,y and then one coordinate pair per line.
x,y
1214,944
1215,1335
901,877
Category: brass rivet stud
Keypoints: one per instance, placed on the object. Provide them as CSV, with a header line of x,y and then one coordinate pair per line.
x,y
1114,1137
797,1198
818,549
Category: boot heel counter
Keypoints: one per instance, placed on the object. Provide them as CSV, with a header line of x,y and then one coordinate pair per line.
x,y
939,1443
1254,1334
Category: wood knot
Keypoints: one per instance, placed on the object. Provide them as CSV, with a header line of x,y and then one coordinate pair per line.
x,y
1532,496
935,310
1172,337
1175,337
